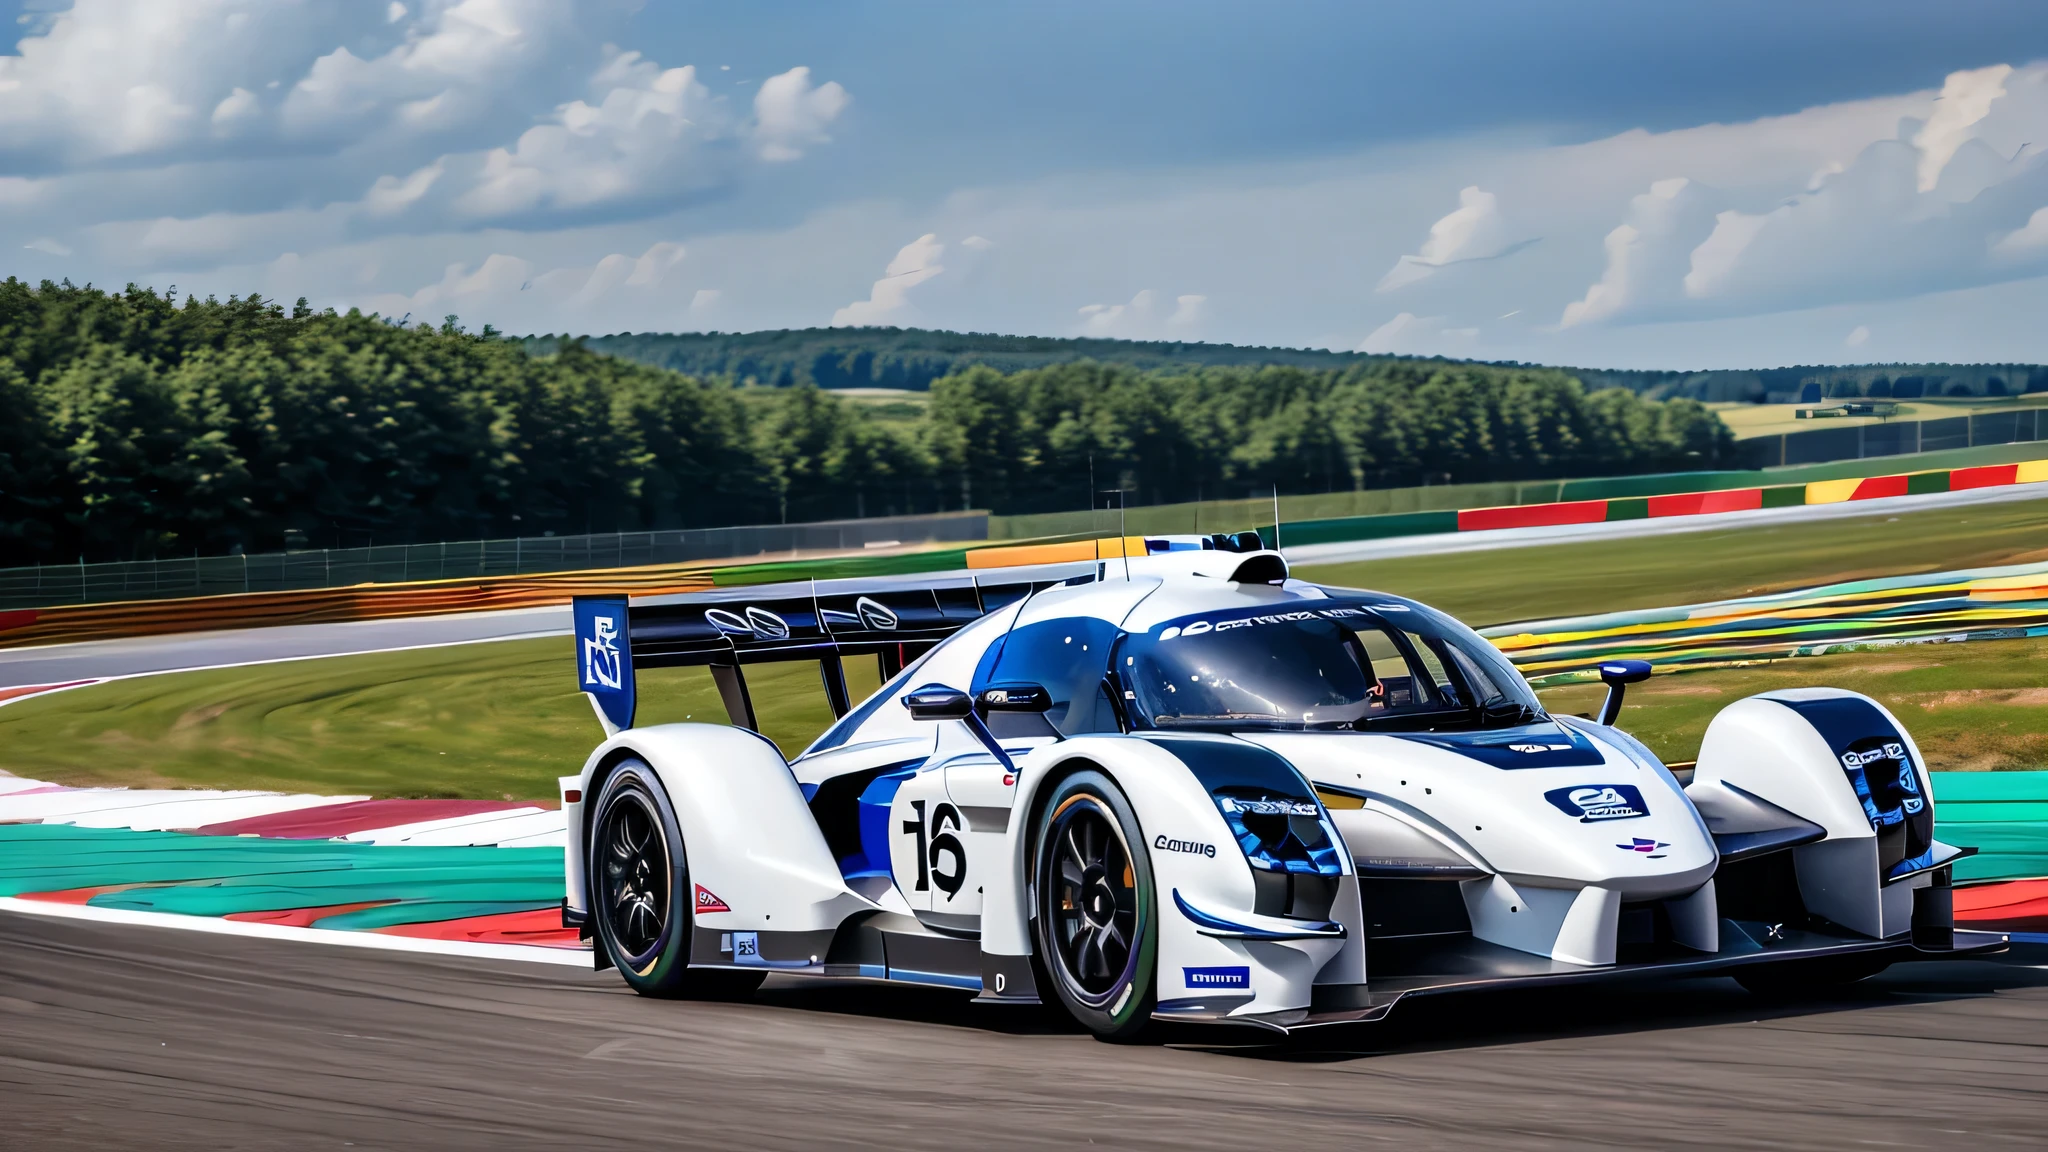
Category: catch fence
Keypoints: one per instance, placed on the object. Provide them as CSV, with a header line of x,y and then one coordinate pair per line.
x,y
53,584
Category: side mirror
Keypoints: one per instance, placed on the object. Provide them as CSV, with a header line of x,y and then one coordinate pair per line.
x,y
938,702
1617,675
1014,697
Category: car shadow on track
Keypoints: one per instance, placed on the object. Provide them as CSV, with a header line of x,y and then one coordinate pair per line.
x,y
1486,1019
1473,1020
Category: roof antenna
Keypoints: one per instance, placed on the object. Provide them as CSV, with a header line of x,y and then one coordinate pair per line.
x,y
1276,517
1121,502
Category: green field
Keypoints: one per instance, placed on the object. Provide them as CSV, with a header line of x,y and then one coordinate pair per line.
x,y
1498,587
504,719
498,721
1970,707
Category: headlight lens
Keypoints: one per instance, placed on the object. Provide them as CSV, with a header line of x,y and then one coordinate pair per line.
x,y
1281,834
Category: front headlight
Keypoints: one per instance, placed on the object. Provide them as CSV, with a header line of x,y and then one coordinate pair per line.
x,y
1281,834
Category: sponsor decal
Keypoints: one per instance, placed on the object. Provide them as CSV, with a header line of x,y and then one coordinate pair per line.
x,y
746,947
1203,627
758,623
1239,976
1533,749
1891,750
1654,849
706,902
1166,843
876,615
1595,802
601,654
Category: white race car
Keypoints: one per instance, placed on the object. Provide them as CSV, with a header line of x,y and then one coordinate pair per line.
x,y
1183,786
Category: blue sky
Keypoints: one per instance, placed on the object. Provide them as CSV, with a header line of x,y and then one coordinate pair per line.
x,y
1626,184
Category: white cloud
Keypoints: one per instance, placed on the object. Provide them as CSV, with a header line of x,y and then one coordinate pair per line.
x,y
2027,240
142,111
977,243
1410,335
1640,252
1474,231
637,140
1145,318
391,195
790,114
705,300
1857,337
1965,99
888,301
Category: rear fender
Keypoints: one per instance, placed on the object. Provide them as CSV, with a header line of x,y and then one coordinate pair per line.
x,y
752,845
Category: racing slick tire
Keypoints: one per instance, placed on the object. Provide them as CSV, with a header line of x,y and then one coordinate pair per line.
x,y
1809,977
639,886
1095,919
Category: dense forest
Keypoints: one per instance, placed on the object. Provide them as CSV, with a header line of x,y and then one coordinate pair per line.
x,y
134,425
912,358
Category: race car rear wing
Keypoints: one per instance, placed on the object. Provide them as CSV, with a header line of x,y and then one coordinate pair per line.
x,y
893,618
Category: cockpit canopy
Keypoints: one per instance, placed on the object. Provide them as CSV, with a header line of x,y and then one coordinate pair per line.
x,y
1342,664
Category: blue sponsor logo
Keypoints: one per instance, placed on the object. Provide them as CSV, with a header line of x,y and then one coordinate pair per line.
x,y
1654,849
746,948
1594,802
604,656
1237,977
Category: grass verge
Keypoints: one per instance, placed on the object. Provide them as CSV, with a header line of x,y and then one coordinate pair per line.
x,y
1972,706
1504,585
497,720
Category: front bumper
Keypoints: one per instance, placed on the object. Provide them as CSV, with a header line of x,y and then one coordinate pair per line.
x,y
1435,966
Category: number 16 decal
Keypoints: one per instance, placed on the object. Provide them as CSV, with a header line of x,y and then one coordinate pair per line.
x,y
940,842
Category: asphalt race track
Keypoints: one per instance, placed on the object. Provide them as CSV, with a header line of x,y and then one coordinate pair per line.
x,y
91,659
115,1036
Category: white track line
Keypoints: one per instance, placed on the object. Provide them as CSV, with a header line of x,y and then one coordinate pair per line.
x,y
471,950
402,833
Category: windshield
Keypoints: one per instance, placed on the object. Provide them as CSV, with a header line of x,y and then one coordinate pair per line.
x,y
1335,664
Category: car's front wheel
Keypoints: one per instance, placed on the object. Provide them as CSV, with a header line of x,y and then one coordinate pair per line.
x,y
639,881
1095,914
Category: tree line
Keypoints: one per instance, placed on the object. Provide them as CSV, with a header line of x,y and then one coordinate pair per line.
x,y
912,358
134,425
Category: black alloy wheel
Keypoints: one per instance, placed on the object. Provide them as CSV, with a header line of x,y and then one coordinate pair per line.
x,y
1095,918
634,886
639,881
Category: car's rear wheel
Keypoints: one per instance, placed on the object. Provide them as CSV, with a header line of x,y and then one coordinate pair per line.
x,y
639,885
1809,977
1095,915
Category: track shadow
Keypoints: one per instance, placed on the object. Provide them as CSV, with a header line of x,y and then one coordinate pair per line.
x,y
1469,1020
1485,1019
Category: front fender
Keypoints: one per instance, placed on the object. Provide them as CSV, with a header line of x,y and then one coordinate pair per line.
x,y
1200,876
